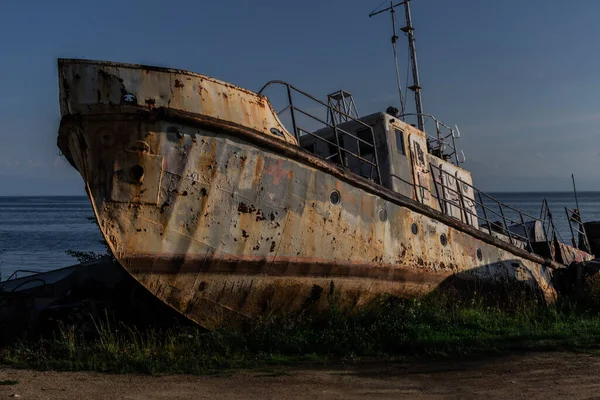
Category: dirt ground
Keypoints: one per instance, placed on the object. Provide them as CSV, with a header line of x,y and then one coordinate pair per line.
x,y
529,376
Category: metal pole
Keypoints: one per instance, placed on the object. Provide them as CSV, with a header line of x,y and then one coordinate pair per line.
x,y
394,39
526,231
413,56
293,113
489,224
571,227
575,190
505,224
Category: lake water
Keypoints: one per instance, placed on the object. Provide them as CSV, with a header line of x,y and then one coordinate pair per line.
x,y
36,231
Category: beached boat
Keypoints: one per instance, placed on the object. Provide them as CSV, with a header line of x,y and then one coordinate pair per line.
x,y
222,211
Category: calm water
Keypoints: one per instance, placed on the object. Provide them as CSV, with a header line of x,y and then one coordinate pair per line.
x,y
36,231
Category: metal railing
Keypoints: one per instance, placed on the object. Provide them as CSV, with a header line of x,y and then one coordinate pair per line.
x,y
15,273
510,223
341,153
444,139
549,229
516,229
576,225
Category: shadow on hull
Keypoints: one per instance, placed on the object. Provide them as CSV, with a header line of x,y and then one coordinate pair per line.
x,y
86,294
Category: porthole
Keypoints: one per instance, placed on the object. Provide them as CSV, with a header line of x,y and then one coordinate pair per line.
x,y
334,197
382,215
479,254
443,239
128,98
137,172
414,228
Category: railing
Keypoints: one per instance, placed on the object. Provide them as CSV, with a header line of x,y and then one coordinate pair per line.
x,y
576,225
341,152
15,273
516,230
550,231
445,138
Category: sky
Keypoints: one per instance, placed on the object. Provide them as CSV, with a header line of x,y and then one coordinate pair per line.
x,y
521,79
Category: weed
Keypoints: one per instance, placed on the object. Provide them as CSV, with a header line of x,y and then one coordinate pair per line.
x,y
390,328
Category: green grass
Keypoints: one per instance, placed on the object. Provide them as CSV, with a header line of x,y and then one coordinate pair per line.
x,y
391,329
8,382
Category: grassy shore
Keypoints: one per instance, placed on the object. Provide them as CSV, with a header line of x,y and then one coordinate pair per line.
x,y
390,329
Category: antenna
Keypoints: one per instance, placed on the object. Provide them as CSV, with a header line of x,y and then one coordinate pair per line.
x,y
394,39
409,30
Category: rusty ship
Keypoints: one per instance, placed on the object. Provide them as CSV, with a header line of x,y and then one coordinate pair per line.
x,y
224,208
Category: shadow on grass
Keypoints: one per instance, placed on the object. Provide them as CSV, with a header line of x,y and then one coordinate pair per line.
x,y
464,317
431,327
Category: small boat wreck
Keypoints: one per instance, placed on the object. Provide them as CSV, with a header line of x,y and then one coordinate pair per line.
x,y
224,209
82,295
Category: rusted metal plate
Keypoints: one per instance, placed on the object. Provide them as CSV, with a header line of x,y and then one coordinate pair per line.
x,y
568,254
129,183
86,83
241,230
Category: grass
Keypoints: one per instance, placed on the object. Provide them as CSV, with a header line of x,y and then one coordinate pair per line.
x,y
8,382
390,329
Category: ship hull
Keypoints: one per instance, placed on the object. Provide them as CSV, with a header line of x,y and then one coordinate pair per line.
x,y
226,224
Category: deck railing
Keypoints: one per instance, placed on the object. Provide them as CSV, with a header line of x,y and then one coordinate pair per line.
x,y
444,140
550,231
342,136
516,225
576,226
509,223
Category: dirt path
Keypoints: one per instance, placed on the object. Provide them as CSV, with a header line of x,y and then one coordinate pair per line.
x,y
527,376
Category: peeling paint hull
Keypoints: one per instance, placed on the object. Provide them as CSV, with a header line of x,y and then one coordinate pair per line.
x,y
225,221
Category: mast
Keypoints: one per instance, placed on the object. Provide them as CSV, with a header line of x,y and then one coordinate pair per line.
x,y
409,30
416,87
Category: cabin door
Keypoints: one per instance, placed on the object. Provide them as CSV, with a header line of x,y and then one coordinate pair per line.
x,y
420,167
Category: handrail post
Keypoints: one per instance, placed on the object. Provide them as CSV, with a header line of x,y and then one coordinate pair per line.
x,y
489,224
376,157
526,231
337,141
551,225
586,242
571,228
454,148
293,109
505,224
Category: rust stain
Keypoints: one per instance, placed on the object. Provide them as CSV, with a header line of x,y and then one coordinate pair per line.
x,y
218,238
151,103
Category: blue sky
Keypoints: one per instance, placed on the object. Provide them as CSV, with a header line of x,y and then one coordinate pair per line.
x,y
520,78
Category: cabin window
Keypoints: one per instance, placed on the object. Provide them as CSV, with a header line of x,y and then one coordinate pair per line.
x,y
400,142
365,149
